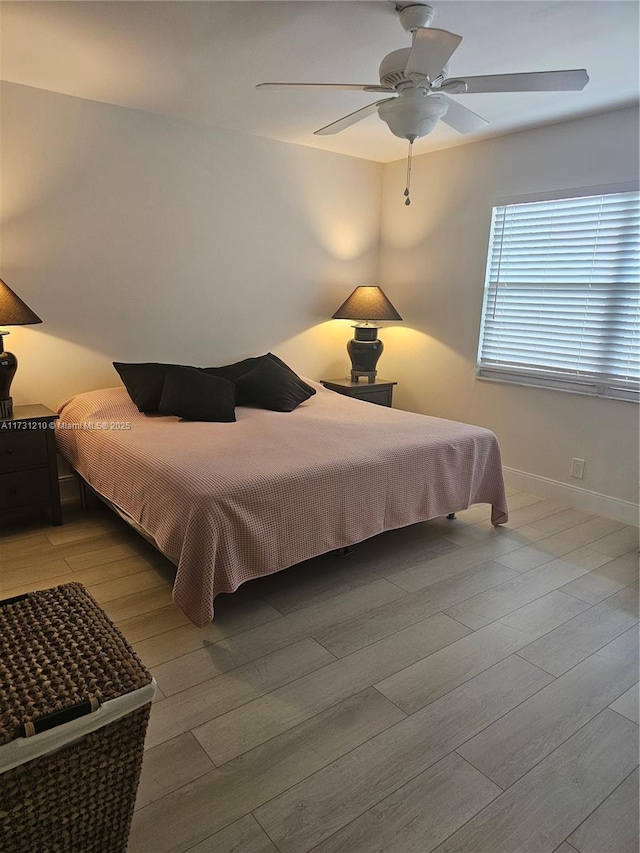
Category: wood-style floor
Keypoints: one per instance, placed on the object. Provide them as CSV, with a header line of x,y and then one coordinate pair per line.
x,y
447,687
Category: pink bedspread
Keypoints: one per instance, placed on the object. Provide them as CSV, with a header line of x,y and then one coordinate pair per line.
x,y
231,502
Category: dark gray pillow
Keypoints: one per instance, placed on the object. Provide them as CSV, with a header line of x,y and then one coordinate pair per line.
x,y
232,372
195,396
235,371
274,387
144,382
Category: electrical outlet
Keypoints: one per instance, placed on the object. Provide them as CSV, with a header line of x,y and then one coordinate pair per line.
x,y
577,468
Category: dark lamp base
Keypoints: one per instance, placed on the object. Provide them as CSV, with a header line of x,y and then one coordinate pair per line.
x,y
6,408
364,351
370,376
8,367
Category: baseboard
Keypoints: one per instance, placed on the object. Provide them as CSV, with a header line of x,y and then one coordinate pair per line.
x,y
606,505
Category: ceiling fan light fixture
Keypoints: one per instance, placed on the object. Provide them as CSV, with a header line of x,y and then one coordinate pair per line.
x,y
413,114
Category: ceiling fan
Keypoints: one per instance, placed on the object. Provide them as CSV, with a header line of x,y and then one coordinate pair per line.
x,y
418,81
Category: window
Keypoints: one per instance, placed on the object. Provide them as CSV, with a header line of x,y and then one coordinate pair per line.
x,y
562,301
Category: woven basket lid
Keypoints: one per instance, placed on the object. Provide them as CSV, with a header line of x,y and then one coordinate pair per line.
x,y
57,649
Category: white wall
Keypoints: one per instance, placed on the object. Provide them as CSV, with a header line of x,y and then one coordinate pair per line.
x,y
140,238
136,237
433,264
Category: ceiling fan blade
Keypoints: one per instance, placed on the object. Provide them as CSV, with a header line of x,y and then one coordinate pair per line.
x,y
431,51
354,86
535,81
346,121
460,118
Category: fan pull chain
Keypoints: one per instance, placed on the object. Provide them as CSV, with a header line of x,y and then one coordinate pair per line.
x,y
408,187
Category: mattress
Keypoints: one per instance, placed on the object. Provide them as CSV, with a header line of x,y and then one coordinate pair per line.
x,y
228,502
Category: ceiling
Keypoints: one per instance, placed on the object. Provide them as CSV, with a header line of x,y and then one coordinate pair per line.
x,y
200,61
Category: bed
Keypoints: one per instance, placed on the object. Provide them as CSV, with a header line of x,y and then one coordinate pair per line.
x,y
228,502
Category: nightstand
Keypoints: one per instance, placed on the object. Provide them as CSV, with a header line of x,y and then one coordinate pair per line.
x,y
28,461
379,392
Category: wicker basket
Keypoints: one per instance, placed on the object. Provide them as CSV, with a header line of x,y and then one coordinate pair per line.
x,y
74,707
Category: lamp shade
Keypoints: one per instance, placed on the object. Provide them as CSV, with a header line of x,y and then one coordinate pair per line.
x,y
13,311
366,303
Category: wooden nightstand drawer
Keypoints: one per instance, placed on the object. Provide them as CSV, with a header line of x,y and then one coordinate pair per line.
x,y
379,392
28,462
381,398
22,449
23,488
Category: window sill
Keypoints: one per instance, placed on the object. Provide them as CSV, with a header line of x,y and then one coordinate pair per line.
x,y
485,374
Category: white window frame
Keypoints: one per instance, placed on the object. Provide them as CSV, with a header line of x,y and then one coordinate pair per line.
x,y
535,376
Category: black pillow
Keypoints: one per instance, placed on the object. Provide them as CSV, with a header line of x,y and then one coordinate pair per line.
x,y
273,387
233,372
279,361
191,394
144,382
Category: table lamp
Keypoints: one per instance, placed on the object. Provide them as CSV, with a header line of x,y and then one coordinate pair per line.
x,y
365,348
13,312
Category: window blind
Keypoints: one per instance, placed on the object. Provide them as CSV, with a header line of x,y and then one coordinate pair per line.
x,y
562,300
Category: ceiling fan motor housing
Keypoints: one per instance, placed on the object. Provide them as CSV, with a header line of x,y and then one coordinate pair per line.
x,y
392,67
391,71
413,113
